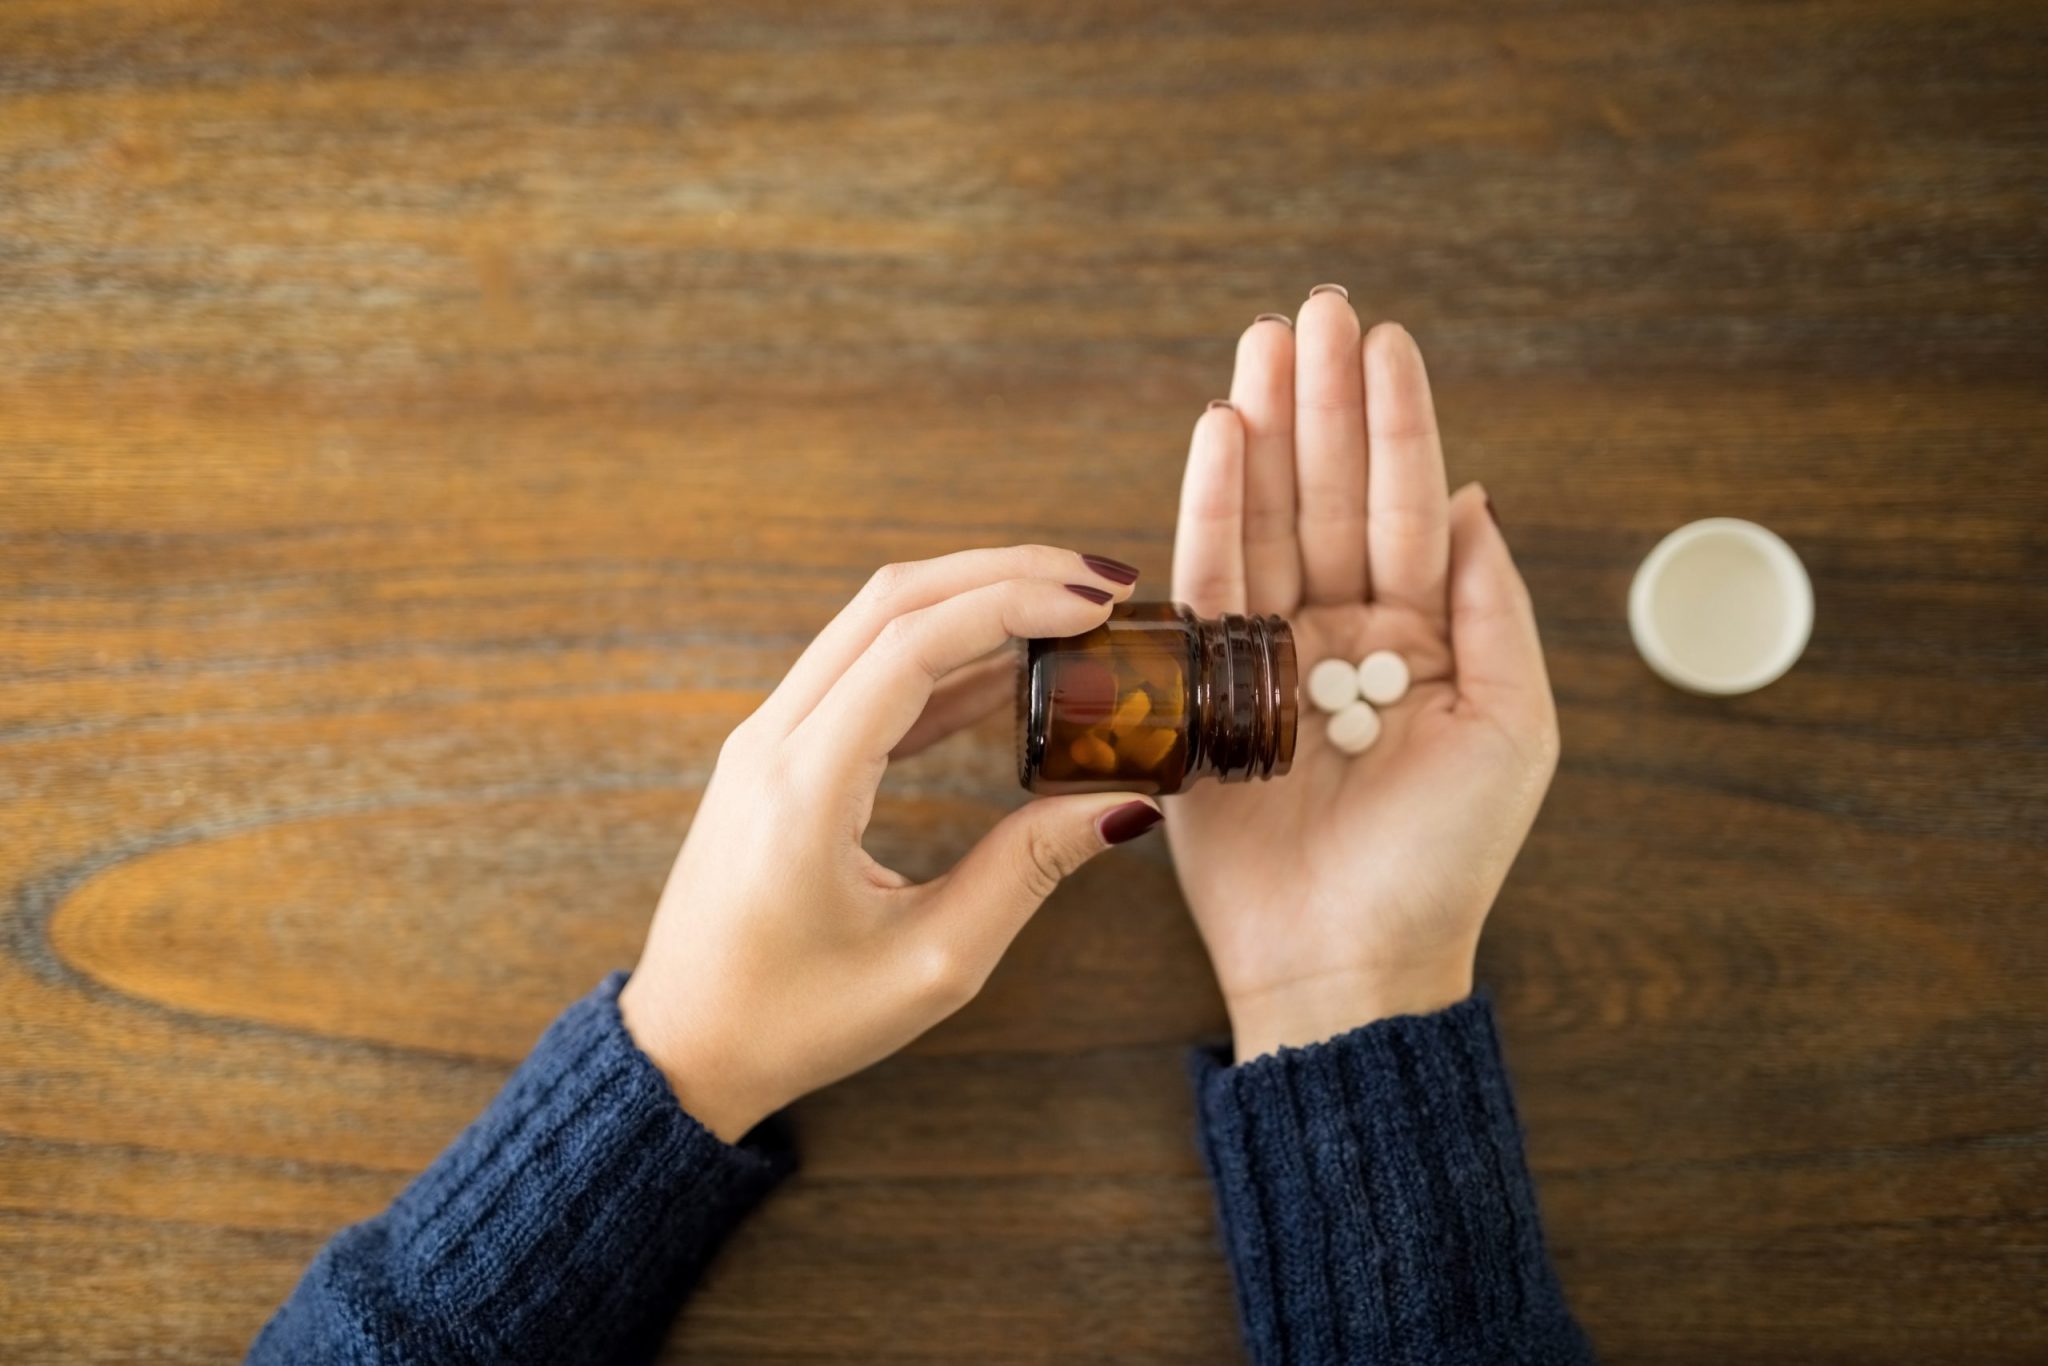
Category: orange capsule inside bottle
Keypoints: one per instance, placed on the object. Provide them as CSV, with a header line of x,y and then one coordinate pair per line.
x,y
1156,698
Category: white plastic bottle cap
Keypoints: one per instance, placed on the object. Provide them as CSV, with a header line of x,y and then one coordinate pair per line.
x,y
1721,606
1355,728
1333,685
1383,678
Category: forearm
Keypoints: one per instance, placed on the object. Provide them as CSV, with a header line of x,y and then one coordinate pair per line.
x,y
1375,1203
565,1225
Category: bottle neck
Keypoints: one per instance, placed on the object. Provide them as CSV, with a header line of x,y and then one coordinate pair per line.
x,y
1242,697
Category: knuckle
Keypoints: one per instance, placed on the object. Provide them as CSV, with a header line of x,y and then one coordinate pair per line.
x,y
1045,863
1020,602
1326,403
943,976
739,746
1263,523
766,774
897,636
774,780
1212,587
1331,504
1036,561
902,639
1419,427
1538,747
1486,616
886,583
1217,503
1410,519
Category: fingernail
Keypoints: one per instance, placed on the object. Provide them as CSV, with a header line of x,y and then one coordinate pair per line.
x,y
1491,513
1280,318
1125,823
1116,571
1338,290
1222,403
1098,596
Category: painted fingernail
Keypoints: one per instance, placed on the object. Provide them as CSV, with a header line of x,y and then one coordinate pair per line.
x,y
1098,596
1124,823
1116,571
1338,290
1222,403
1491,513
1280,318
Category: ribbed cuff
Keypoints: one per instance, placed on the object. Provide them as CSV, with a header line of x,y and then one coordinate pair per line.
x,y
568,1221
1375,1202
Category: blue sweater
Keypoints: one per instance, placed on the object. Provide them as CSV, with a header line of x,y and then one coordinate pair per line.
x,y
1373,1197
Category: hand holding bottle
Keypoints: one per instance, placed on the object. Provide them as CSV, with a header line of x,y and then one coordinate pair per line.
x,y
1355,888
782,957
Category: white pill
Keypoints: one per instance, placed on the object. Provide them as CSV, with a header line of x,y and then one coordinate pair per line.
x,y
1383,678
1355,728
1333,685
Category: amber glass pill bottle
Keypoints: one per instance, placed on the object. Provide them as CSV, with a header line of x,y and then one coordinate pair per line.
x,y
1156,698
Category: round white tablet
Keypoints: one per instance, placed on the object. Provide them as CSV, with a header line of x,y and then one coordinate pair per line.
x,y
1383,678
1333,685
1355,728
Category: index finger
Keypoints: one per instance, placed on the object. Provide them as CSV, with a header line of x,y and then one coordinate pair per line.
x,y
879,698
1262,389
1208,543
895,589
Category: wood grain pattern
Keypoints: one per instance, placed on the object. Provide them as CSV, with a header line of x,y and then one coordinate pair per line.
x,y
425,428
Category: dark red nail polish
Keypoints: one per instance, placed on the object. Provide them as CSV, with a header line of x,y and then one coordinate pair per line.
x,y
1116,571
1280,318
1127,822
1490,512
1098,596
1222,403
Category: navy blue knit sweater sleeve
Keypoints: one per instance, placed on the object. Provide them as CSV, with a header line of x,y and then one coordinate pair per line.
x,y
565,1225
1375,1204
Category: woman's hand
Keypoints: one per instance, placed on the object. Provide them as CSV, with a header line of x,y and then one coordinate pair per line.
x,y
782,957
1354,888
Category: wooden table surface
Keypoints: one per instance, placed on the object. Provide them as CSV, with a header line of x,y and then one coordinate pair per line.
x,y
424,429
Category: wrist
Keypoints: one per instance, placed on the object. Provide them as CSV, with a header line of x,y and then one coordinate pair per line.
x,y
708,1088
1318,1008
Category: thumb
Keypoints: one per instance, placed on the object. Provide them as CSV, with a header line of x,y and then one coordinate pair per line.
x,y
991,892
1493,626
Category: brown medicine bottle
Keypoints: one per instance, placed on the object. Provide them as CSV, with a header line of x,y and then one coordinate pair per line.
x,y
1155,698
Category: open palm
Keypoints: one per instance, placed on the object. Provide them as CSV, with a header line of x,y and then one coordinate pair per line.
x,y
1355,888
